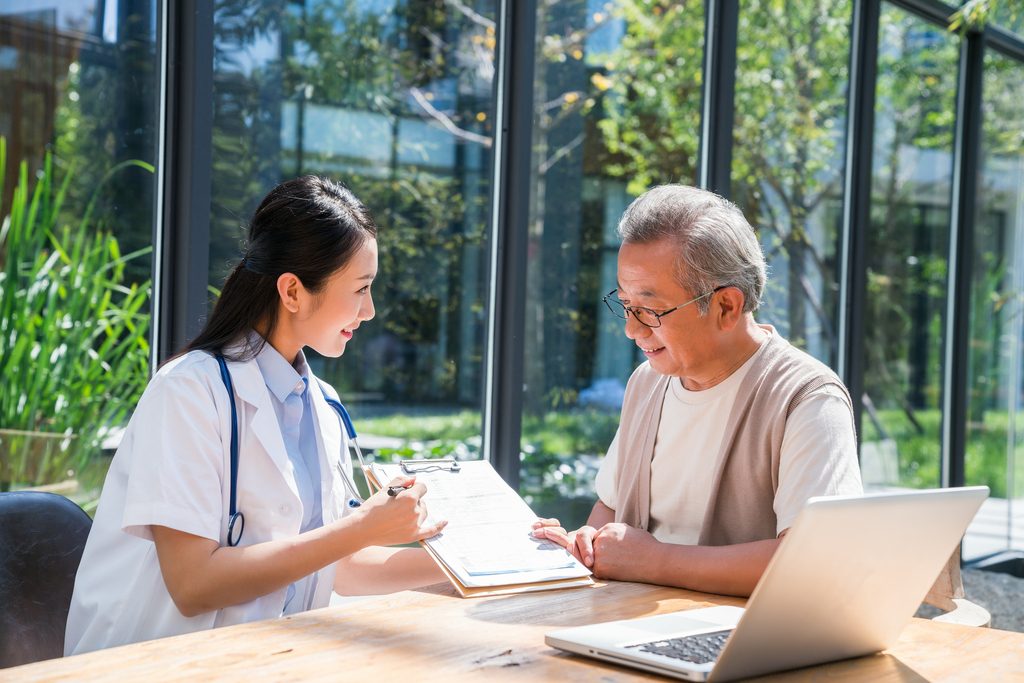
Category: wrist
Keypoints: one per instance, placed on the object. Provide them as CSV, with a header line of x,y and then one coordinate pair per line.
x,y
348,534
656,562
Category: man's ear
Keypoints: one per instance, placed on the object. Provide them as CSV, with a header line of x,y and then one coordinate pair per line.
x,y
730,307
289,288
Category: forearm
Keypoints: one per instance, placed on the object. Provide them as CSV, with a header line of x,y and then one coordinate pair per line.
x,y
203,577
724,570
376,570
600,515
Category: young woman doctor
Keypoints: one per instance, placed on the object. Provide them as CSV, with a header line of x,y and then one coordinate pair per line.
x,y
158,562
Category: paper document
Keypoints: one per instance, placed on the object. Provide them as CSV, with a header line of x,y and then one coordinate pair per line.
x,y
488,540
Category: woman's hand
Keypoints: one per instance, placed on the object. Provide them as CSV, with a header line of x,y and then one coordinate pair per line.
x,y
398,519
201,576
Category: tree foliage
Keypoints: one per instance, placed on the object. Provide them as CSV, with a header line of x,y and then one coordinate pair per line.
x,y
353,91
654,89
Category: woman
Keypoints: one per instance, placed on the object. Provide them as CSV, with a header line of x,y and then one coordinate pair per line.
x,y
157,562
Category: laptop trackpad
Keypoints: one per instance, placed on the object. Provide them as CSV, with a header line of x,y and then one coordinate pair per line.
x,y
671,623
701,619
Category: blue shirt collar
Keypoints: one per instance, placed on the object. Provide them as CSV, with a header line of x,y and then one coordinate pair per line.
x,y
281,377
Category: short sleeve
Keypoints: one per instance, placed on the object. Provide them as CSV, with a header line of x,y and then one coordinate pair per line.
x,y
177,460
819,454
605,484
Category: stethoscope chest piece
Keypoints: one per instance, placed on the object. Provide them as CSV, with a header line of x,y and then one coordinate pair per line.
x,y
235,535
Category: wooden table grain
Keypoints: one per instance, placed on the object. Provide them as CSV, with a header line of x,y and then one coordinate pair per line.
x,y
433,635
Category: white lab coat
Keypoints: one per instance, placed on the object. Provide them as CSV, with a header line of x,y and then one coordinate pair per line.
x,y
173,469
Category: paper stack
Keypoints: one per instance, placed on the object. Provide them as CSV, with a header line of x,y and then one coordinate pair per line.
x,y
487,547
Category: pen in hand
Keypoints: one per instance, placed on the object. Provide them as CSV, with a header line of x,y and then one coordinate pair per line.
x,y
394,490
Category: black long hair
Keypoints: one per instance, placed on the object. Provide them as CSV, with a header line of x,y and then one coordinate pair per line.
x,y
310,227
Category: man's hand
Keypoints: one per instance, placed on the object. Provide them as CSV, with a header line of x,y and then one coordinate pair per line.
x,y
580,542
616,551
623,553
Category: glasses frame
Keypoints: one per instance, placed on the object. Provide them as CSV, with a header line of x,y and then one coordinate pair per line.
x,y
626,310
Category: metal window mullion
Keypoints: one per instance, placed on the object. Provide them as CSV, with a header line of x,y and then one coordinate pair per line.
x,y
157,260
510,200
934,11
721,26
966,145
860,132
186,174
1003,41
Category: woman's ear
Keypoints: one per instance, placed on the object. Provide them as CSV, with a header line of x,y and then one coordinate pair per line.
x,y
730,307
290,289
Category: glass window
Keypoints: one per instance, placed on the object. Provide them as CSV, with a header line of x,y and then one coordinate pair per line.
x,y
907,251
1010,16
617,94
788,158
78,98
394,100
995,419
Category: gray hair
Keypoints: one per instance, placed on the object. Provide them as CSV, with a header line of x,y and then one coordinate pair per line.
x,y
716,245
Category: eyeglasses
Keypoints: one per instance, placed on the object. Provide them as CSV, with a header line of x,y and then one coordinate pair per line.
x,y
645,316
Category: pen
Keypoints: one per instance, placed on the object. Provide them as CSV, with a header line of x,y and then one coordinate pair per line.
x,y
393,490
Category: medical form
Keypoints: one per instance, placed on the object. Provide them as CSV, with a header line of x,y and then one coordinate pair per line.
x,y
488,541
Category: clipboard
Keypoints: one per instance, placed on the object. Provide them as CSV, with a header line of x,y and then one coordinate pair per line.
x,y
573,575
414,467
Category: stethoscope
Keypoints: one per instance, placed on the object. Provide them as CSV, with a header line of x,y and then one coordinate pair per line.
x,y
236,516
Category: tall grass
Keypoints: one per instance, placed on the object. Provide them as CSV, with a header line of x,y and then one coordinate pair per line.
x,y
73,338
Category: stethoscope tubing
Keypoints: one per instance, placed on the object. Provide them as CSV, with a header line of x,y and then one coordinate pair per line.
x,y
235,516
350,429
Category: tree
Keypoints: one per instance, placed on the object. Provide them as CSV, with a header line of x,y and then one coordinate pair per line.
x,y
651,127
344,72
790,109
105,99
788,147
908,243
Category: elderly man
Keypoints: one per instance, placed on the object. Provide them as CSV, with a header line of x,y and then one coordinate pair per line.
x,y
727,429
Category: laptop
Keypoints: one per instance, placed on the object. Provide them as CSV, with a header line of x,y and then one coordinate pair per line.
x,y
845,581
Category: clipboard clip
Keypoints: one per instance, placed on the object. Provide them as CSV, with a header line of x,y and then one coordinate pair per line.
x,y
445,464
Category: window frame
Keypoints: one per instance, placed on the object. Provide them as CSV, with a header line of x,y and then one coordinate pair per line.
x,y
182,226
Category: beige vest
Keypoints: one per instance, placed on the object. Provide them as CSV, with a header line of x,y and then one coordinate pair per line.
x,y
741,505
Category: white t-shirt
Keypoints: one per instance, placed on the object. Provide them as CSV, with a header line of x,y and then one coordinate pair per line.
x,y
818,456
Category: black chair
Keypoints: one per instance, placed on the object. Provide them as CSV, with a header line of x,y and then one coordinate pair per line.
x,y
42,536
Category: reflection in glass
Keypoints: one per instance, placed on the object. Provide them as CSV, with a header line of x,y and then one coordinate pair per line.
x,y
788,158
78,96
393,99
78,81
995,419
907,251
617,101
1009,15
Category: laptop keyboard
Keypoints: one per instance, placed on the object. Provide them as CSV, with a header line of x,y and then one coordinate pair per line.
x,y
699,649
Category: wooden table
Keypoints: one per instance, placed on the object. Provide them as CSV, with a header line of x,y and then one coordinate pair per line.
x,y
433,635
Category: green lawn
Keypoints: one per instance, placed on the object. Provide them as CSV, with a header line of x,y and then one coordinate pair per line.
x,y
920,449
561,449
552,443
556,482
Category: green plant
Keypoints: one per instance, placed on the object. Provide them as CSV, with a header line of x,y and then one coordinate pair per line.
x,y
561,451
73,346
974,14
